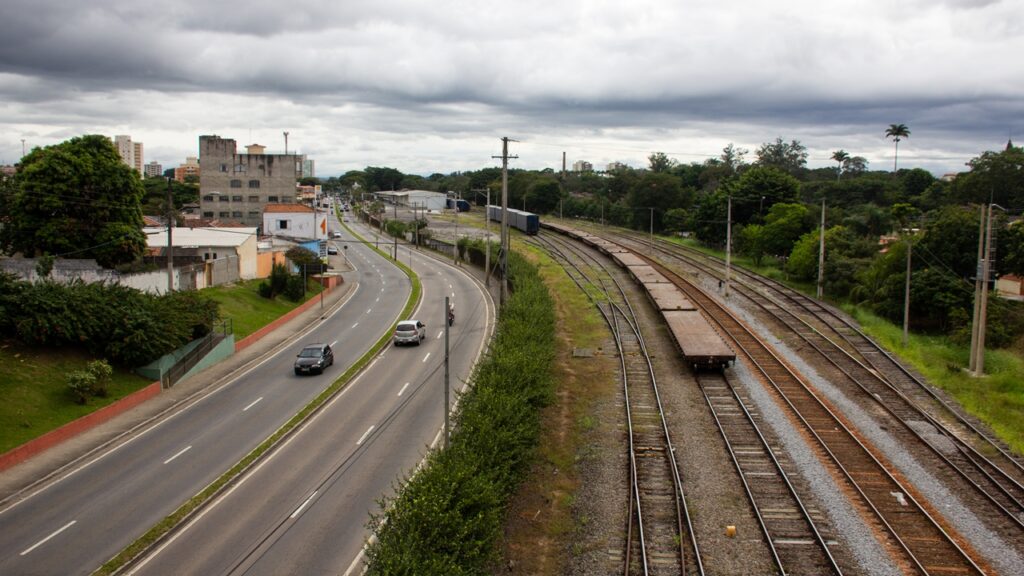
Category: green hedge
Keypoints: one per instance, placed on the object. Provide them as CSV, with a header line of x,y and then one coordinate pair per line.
x,y
448,517
125,325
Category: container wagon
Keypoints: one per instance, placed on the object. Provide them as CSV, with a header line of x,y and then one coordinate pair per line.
x,y
525,222
457,204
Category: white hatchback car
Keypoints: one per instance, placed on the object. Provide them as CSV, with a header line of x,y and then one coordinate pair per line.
x,y
410,332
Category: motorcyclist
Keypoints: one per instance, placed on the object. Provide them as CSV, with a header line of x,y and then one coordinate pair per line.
x,y
451,314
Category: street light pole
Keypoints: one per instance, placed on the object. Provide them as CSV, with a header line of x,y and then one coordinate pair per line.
x,y
821,251
170,240
728,243
447,433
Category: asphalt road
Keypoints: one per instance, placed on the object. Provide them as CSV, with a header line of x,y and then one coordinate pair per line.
x,y
305,509
75,524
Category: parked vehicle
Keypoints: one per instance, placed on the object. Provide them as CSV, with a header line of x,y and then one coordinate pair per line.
x,y
410,332
314,358
332,250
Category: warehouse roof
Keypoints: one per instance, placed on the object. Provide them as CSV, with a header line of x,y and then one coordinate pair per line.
x,y
228,237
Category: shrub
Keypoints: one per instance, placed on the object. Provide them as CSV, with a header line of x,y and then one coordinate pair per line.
x,y
265,290
278,279
295,288
92,381
447,518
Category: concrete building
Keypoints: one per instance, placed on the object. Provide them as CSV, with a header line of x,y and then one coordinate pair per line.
x,y
615,166
153,170
131,152
189,168
294,221
239,186
582,166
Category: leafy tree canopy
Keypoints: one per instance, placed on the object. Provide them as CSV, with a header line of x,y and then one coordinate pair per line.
x,y
790,157
76,197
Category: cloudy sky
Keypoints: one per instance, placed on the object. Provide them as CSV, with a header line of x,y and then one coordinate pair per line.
x,y
432,86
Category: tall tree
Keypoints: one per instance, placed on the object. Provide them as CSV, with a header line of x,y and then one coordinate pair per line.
x,y
659,162
840,156
787,156
896,132
76,197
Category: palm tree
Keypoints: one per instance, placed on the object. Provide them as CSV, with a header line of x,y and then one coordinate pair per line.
x,y
841,157
897,131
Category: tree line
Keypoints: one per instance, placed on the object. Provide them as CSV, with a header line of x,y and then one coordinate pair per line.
x,y
871,217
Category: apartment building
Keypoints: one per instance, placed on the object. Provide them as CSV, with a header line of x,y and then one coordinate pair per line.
x,y
154,170
131,152
582,166
238,186
189,168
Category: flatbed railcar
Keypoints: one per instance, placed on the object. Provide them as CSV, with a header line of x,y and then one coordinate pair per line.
x,y
526,222
699,342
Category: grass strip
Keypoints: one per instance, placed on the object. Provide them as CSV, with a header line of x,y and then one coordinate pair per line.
x,y
186,510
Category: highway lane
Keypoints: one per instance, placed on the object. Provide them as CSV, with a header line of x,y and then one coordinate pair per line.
x,y
75,524
305,509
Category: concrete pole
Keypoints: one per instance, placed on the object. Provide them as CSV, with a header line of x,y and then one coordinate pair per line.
x,y
447,430
504,221
906,297
487,252
985,267
170,239
978,286
652,231
821,252
728,244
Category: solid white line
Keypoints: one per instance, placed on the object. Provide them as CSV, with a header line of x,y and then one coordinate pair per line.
x,y
254,402
403,389
183,450
365,434
427,356
45,540
299,509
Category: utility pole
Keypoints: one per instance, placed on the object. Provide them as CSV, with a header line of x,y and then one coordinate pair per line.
x,y
978,287
906,296
821,251
728,243
504,217
447,326
23,150
652,231
285,143
170,240
986,268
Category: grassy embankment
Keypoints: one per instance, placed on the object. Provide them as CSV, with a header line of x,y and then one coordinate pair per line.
x,y
33,381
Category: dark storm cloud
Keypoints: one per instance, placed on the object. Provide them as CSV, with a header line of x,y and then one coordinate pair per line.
x,y
351,72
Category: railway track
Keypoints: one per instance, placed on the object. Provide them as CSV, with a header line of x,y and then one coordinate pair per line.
x,y
922,417
659,536
925,545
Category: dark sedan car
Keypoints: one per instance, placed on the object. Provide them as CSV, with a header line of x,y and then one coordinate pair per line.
x,y
314,358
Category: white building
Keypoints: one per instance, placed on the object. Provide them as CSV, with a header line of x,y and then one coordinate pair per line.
x,y
154,170
294,221
418,199
582,166
131,152
233,248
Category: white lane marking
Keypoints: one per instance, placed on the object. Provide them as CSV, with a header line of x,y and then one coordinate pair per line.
x,y
403,389
440,334
365,434
333,344
427,356
254,402
182,451
299,509
450,288
378,299
370,310
356,324
47,539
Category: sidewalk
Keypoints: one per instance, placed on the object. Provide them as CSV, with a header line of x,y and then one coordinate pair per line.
x,y
18,481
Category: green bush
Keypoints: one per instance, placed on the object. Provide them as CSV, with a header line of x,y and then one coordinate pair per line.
x,y
278,280
92,381
295,289
265,290
126,325
448,518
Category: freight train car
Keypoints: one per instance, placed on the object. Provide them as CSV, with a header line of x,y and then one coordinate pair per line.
x,y
525,222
